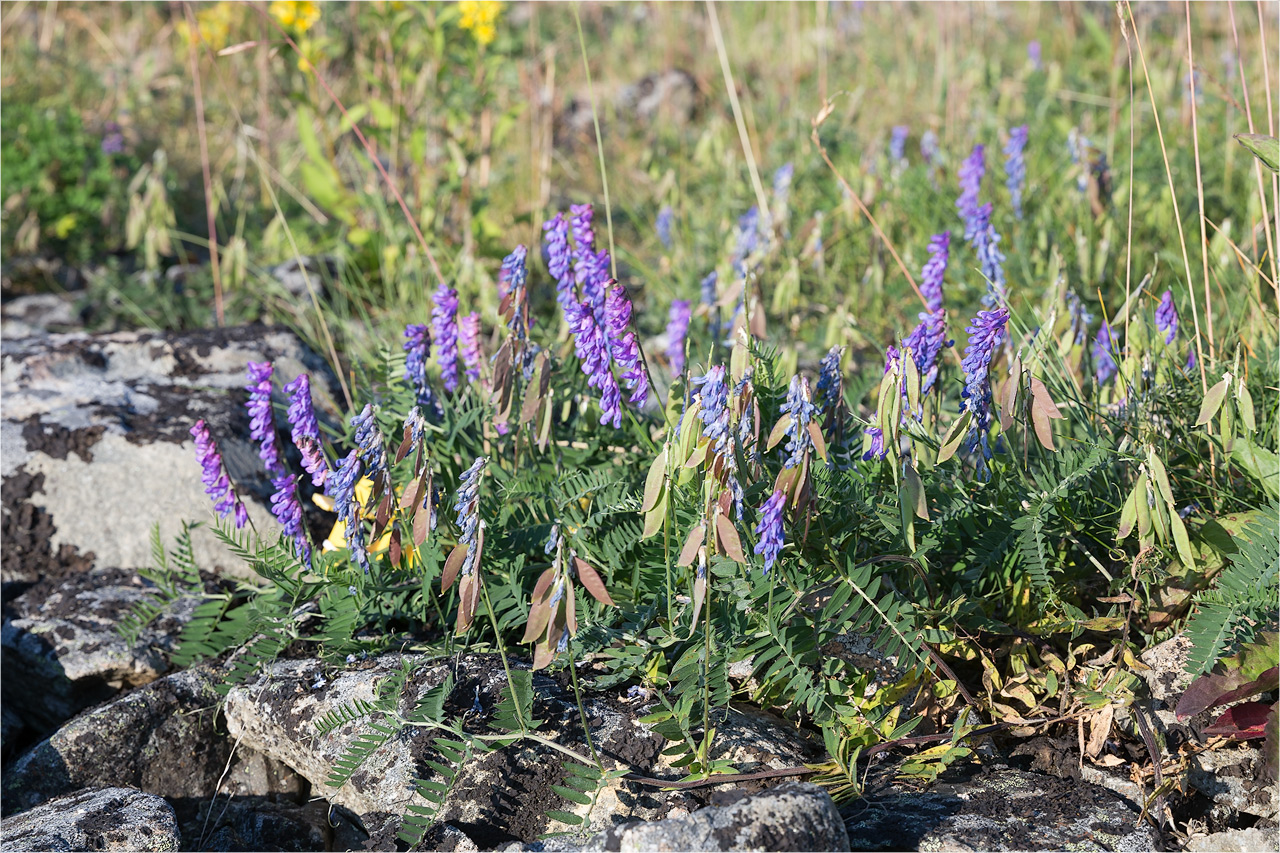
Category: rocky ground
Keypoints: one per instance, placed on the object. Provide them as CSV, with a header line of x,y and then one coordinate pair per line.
x,y
106,747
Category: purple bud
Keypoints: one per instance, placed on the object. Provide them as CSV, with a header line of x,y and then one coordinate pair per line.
x,y
444,327
305,430
469,333
770,529
213,474
1167,317
677,331
262,426
935,269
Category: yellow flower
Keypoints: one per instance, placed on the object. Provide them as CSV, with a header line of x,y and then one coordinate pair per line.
x,y
337,539
298,15
214,23
479,16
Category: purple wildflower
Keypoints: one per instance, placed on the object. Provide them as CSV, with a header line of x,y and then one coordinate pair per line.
x,y
262,425
800,406
1015,167
898,145
1104,364
782,187
288,511
556,245
663,225
971,172
926,341
213,474
708,292
1167,317
514,275
584,237
1081,319
593,353
748,240
891,356
830,381
369,441
714,411
875,450
1033,54
417,348
444,327
469,334
467,505
986,242
929,147
341,486
985,334
623,344
677,331
113,139
305,431
934,269
770,529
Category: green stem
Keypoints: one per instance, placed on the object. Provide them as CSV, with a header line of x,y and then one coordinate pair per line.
x,y
502,652
595,118
582,714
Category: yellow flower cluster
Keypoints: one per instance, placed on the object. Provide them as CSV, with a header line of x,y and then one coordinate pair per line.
x,y
337,539
479,16
296,15
214,22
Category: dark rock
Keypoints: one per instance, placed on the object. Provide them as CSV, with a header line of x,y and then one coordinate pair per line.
x,y
1001,809
101,421
100,819
63,652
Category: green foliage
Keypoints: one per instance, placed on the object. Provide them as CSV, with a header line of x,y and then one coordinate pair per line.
x,y
174,577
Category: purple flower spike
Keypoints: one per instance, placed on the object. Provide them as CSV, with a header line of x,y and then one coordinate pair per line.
x,y
926,342
708,292
985,334
677,332
830,381
1167,317
584,237
623,345
556,243
469,332
305,431
714,412
444,327
770,529
592,351
876,449
1033,54
971,172
288,511
213,474
512,279
1015,167
898,145
800,406
342,488
663,225
934,269
262,426
1104,364
986,242
417,348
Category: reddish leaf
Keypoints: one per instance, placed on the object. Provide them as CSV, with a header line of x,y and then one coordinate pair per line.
x,y
819,444
393,549
539,615
730,544
405,444
421,520
452,564
410,494
570,611
1220,688
591,581
689,552
1245,721
542,588
779,430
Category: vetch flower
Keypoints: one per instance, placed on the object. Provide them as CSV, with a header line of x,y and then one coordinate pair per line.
x,y
714,411
1015,166
305,431
663,225
971,172
213,474
677,332
770,529
1081,319
926,341
341,487
623,344
514,276
986,242
929,147
369,441
559,258
467,505
985,334
876,449
262,426
444,327
1167,317
593,353
1104,365
417,348
830,381
469,334
801,408
288,511
747,241
898,145
479,17
708,288
1033,54
935,269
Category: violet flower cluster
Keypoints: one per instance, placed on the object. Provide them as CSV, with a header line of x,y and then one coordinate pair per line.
x,y
623,345
1015,167
467,506
444,328
875,449
593,353
985,334
707,287
801,408
515,275
770,529
663,225
417,349
714,411
341,487
898,145
369,441
971,172
935,269
213,473
986,242
304,430
677,332
469,336
747,241
1167,317
926,342
1104,364
1081,318
830,383
262,428
559,257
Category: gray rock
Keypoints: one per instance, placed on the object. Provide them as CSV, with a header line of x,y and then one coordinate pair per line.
x,y
1167,677
161,739
1233,777
792,816
100,819
94,421
62,651
1236,841
497,797
313,273
37,314
1002,809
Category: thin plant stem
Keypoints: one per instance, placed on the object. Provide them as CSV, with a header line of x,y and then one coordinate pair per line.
x,y
1257,164
595,120
1195,146
1128,245
582,714
1126,24
502,653
210,206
